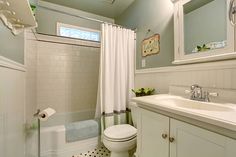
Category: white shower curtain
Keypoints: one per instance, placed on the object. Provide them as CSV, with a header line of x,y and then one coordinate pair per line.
x,y
116,77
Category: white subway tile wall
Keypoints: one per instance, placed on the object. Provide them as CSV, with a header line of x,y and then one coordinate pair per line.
x,y
61,76
67,77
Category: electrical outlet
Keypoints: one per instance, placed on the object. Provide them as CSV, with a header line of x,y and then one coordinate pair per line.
x,y
143,63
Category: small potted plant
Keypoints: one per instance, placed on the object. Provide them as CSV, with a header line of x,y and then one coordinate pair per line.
x,y
143,91
33,8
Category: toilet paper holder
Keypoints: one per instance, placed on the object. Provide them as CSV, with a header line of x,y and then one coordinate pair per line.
x,y
42,116
38,118
37,113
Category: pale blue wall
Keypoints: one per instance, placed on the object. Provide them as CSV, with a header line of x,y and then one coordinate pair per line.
x,y
47,19
11,46
156,15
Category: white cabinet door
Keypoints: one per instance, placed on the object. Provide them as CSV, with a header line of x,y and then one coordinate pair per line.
x,y
191,141
151,126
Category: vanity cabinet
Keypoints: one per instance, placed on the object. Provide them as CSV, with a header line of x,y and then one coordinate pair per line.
x,y
161,136
151,128
192,141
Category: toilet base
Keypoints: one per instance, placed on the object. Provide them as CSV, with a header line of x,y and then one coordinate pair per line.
x,y
119,154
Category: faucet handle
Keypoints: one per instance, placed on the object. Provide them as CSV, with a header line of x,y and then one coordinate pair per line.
x,y
187,91
192,87
214,94
207,94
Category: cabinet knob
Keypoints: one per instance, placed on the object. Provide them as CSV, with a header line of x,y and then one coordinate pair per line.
x,y
164,136
171,139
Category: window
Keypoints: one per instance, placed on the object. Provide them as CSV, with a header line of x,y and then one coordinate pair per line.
x,y
78,32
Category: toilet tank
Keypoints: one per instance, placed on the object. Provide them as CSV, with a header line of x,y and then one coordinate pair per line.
x,y
134,109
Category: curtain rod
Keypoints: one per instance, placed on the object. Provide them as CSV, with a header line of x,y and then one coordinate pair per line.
x,y
86,18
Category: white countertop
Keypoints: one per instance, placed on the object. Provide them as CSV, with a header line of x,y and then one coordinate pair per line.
x,y
225,118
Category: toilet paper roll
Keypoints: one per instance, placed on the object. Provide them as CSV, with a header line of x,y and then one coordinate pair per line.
x,y
45,114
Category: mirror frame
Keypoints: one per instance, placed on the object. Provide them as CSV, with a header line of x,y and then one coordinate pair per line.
x,y
227,52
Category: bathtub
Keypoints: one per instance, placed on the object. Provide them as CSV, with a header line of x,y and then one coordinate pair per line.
x,y
53,142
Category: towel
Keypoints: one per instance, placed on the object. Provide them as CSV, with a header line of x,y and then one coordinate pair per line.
x,y
82,130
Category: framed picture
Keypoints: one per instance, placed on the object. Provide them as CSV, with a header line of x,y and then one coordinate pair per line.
x,y
151,45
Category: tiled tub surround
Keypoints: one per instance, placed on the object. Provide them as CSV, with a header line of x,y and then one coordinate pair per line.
x,y
67,77
61,75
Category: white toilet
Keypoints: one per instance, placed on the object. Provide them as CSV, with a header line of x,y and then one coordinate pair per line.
x,y
119,139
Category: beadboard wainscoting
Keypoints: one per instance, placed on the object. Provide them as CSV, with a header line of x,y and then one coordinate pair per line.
x,y
218,75
12,108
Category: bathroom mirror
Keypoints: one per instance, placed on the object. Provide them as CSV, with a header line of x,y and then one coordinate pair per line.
x,y
203,31
204,25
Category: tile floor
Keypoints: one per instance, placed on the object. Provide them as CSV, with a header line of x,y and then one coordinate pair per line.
x,y
98,152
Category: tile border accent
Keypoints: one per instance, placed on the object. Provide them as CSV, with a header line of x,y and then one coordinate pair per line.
x,y
228,64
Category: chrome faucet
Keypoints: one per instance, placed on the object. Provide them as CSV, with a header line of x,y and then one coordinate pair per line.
x,y
198,94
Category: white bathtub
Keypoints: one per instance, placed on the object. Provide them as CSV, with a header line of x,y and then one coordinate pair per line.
x,y
53,143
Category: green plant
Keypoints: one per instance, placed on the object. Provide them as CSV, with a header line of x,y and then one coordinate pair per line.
x,y
33,8
202,48
143,91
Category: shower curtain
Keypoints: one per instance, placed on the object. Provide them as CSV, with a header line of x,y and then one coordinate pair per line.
x,y
116,76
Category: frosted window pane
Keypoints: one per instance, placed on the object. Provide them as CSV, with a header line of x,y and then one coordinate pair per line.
x,y
80,34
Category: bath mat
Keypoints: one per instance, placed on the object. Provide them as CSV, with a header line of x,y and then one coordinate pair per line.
x,y
98,152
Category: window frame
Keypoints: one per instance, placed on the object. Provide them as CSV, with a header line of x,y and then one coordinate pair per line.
x,y
59,25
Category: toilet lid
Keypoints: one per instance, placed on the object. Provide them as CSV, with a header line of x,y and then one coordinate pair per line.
x,y
124,131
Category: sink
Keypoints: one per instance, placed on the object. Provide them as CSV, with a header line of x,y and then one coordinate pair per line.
x,y
194,105
219,114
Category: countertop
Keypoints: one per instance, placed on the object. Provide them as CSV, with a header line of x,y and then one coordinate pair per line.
x,y
225,118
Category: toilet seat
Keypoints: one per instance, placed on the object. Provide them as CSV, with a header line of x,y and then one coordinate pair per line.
x,y
119,140
120,133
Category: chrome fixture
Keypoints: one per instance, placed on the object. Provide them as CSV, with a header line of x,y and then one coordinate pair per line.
x,y
198,94
232,12
40,115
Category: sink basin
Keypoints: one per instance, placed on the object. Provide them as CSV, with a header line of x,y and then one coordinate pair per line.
x,y
195,105
219,114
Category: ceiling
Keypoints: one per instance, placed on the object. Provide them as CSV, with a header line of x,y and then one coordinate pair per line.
x,y
100,7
